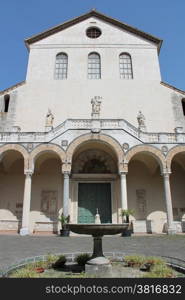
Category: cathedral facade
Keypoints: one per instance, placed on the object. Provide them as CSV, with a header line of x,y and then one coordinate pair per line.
x,y
93,126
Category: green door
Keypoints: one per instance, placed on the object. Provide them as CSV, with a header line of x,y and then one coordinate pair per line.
x,y
92,196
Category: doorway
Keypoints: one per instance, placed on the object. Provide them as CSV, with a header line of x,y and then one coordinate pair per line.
x,y
93,196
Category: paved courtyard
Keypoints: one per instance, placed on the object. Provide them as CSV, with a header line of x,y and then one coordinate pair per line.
x,y
14,248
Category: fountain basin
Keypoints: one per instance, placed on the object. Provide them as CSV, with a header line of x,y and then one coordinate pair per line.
x,y
98,229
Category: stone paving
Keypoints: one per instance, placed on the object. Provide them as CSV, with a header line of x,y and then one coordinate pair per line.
x,y
14,248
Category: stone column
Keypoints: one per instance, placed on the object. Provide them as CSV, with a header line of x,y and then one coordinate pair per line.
x,y
66,194
123,179
168,201
26,203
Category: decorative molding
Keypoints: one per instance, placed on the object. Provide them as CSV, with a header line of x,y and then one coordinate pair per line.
x,y
164,150
29,147
125,147
64,143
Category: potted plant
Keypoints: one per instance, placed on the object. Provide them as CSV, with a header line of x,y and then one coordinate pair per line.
x,y
64,220
126,213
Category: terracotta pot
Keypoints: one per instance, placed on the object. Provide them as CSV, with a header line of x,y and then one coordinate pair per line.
x,y
39,270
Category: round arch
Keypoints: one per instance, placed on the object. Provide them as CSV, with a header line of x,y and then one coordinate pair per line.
x,y
175,150
18,148
45,148
156,153
102,138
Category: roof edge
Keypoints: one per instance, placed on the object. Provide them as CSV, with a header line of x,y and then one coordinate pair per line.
x,y
172,87
12,87
93,13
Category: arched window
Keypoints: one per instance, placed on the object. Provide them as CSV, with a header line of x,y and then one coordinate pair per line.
x,y
125,66
61,66
94,66
6,103
183,106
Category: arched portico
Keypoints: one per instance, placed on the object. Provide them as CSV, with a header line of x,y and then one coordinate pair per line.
x,y
101,138
151,158
176,166
153,151
12,164
20,149
94,177
43,189
46,148
172,153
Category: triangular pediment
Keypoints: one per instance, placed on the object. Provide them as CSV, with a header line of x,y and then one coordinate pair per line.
x,y
99,16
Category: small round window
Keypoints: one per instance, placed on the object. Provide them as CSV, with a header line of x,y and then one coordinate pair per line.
x,y
93,32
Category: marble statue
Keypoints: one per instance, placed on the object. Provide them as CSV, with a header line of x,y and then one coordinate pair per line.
x,y
96,106
49,119
141,121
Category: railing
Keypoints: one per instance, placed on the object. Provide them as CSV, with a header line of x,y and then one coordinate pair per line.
x,y
87,124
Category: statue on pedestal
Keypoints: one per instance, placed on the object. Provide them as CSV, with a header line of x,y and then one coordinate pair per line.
x,y
96,106
49,120
141,121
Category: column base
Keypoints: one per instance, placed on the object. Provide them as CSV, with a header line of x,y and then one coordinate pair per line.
x,y
24,231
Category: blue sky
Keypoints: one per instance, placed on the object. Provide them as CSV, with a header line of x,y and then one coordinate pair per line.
x,y
21,19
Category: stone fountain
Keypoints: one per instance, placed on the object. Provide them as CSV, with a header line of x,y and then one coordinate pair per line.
x,y
98,262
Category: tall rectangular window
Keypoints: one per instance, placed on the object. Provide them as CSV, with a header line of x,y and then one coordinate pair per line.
x,y
94,66
61,66
125,65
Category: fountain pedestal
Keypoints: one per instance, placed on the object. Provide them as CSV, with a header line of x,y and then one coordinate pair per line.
x,y
98,258
98,263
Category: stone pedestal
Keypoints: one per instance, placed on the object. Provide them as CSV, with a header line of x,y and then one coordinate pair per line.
x,y
98,270
98,265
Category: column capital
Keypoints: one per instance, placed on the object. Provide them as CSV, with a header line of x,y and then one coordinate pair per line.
x,y
28,172
123,168
66,168
166,174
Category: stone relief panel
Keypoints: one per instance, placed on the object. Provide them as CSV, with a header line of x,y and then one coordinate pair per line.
x,y
49,203
141,204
